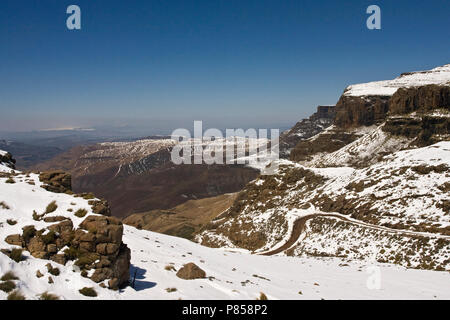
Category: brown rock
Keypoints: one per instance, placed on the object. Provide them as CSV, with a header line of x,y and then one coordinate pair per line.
x,y
87,246
59,258
55,219
51,248
40,254
106,229
36,245
121,266
39,274
62,227
100,207
50,280
56,181
102,274
191,271
15,240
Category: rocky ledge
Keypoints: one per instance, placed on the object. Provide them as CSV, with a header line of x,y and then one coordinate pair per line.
x,y
96,247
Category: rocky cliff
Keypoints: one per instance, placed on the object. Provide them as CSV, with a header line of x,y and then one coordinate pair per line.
x,y
306,128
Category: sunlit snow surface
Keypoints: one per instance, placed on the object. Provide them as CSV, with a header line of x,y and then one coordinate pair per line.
x,y
439,75
233,275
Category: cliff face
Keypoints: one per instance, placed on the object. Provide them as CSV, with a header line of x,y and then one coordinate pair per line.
x,y
361,111
426,98
306,128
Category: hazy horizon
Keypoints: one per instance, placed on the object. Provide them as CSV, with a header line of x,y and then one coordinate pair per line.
x,y
156,66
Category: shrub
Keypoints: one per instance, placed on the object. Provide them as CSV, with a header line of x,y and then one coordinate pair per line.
x,y
7,286
50,237
52,270
88,292
9,276
11,222
16,295
4,205
70,210
169,268
171,289
262,296
16,255
86,259
48,296
71,253
28,233
36,216
80,213
51,207
10,180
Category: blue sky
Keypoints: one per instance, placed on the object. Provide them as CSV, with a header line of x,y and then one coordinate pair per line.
x,y
162,64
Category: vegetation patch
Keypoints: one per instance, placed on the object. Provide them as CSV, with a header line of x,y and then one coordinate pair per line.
x,y
51,207
88,292
80,213
15,295
4,205
11,222
48,296
7,286
9,276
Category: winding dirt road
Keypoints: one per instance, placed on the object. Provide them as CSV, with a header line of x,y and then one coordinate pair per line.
x,y
299,226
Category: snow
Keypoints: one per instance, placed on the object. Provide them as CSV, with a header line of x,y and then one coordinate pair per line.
x,y
439,75
232,273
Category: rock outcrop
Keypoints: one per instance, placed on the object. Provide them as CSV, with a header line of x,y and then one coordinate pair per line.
x,y
56,181
361,111
96,245
7,160
306,128
420,99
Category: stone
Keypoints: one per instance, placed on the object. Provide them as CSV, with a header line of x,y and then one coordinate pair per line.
x,y
59,258
52,248
121,266
50,280
113,284
87,246
39,274
191,271
56,181
40,254
106,229
15,240
62,227
36,245
102,274
55,219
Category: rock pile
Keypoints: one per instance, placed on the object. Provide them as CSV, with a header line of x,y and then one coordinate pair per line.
x,y
96,245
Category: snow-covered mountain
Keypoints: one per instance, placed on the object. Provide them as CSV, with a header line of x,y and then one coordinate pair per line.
x,y
372,186
437,76
156,259
364,196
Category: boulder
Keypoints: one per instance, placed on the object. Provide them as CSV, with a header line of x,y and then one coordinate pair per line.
x,y
191,271
106,229
62,227
15,240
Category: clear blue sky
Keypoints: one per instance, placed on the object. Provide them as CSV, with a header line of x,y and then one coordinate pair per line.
x,y
230,63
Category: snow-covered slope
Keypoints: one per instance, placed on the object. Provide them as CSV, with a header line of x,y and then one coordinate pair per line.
x,y
439,75
400,201
231,274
